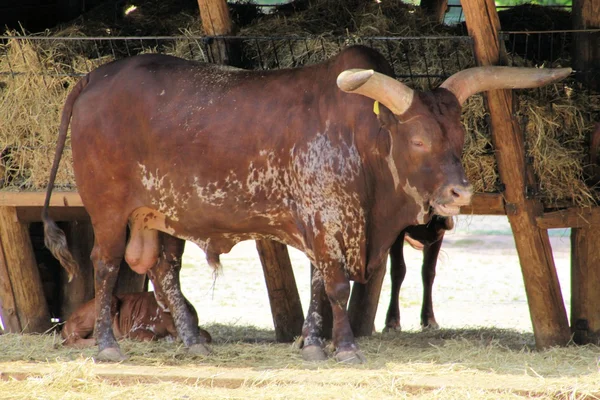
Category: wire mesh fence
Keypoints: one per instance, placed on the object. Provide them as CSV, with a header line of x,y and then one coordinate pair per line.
x,y
41,70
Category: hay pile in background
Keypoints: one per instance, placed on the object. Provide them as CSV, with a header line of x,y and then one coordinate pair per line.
x,y
556,123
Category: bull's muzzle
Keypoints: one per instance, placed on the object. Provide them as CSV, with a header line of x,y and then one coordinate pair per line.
x,y
451,198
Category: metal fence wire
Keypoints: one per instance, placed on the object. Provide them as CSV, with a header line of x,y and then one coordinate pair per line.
x,y
422,61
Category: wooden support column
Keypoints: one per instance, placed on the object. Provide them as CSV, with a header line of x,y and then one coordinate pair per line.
x,y
8,304
283,292
216,21
548,314
585,281
436,9
80,237
23,273
586,46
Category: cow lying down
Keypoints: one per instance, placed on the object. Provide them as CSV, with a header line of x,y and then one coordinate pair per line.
x,y
136,316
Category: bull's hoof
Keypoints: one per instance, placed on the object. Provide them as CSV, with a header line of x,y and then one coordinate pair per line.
x,y
313,353
434,326
111,354
199,350
350,357
388,329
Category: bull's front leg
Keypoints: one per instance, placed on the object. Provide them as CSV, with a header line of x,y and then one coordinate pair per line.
x,y
337,288
318,323
165,276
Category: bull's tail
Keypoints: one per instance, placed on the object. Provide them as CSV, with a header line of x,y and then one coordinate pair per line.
x,y
54,237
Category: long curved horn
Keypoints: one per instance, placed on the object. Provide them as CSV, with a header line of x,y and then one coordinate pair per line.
x,y
393,94
474,80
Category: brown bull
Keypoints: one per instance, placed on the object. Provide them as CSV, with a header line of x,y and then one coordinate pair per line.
x,y
137,316
218,155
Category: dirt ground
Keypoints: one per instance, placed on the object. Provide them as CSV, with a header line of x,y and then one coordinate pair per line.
x,y
478,282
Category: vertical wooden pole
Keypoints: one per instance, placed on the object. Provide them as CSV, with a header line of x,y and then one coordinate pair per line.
x,y
216,21
436,9
586,46
362,307
585,281
283,292
31,305
129,281
548,314
8,306
80,237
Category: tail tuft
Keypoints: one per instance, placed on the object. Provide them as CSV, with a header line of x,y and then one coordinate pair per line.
x,y
56,241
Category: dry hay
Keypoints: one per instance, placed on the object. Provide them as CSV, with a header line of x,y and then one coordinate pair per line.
x,y
557,124
445,364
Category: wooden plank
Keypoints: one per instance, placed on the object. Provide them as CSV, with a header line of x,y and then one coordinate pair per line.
x,y
33,199
8,307
485,204
31,305
548,314
33,214
286,307
585,281
577,217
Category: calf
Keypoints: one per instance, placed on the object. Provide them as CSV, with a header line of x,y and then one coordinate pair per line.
x,y
428,238
137,316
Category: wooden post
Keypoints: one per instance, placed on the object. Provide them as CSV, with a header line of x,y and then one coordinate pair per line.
x,y
80,237
216,21
24,276
129,281
548,314
283,293
8,306
586,46
436,9
362,307
585,281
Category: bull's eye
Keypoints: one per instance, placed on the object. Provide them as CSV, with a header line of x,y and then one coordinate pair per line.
x,y
417,143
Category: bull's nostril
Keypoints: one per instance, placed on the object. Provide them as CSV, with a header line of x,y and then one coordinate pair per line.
x,y
455,194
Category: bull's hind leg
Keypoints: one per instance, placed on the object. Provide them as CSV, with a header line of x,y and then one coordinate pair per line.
x,y
107,254
165,278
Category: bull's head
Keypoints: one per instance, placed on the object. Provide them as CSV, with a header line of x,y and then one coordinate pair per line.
x,y
425,133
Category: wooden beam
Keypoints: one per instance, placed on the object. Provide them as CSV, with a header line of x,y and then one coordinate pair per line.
x,y
585,281
577,217
31,305
485,204
548,314
286,307
33,199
